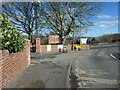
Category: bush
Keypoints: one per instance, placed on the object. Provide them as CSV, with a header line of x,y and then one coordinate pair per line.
x,y
11,38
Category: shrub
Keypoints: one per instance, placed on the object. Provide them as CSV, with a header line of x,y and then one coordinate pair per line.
x,y
11,38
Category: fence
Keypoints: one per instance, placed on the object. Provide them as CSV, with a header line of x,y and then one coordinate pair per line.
x,y
12,64
54,48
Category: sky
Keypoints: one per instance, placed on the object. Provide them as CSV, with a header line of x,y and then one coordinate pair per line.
x,y
106,21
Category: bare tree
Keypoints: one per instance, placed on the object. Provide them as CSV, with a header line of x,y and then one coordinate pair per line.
x,y
24,15
62,18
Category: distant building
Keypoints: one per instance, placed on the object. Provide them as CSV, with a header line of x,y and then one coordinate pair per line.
x,y
92,40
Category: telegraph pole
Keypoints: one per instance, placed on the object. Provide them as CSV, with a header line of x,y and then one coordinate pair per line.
x,y
80,35
73,40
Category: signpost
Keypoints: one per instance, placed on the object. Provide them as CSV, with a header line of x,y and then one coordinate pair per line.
x,y
83,41
53,39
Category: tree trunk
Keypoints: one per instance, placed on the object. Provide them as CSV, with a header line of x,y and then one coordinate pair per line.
x,y
64,40
29,36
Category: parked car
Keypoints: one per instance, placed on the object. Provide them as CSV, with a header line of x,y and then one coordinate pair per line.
x,y
77,47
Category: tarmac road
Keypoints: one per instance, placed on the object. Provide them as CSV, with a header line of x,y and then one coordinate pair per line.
x,y
93,68
96,68
45,71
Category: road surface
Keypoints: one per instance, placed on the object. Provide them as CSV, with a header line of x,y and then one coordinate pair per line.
x,y
45,71
96,68
93,68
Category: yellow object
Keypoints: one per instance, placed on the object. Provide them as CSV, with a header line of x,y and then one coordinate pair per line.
x,y
78,46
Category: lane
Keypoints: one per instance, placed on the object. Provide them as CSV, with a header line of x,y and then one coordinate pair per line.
x,y
112,50
115,56
96,69
93,68
115,53
45,71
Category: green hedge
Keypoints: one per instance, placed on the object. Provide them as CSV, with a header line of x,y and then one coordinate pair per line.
x,y
11,38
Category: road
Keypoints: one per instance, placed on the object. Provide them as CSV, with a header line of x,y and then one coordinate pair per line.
x,y
96,68
45,71
93,68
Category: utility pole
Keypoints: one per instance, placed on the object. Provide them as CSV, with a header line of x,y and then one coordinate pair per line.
x,y
73,40
80,35
73,36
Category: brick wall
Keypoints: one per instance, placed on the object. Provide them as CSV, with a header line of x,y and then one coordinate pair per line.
x,y
70,46
43,48
85,47
12,64
38,45
54,48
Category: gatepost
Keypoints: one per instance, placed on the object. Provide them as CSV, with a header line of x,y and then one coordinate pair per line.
x,y
38,45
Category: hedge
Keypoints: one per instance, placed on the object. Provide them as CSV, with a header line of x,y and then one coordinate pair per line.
x,y
11,38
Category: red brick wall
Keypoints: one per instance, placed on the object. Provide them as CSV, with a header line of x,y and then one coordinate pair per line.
x,y
43,48
85,47
54,48
12,64
69,46
38,45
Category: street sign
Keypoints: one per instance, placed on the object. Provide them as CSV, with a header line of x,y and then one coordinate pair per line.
x,y
83,41
53,39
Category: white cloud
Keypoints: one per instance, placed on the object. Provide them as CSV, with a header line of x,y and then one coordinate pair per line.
x,y
107,22
104,16
103,26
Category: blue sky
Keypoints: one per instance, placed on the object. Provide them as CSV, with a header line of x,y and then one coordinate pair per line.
x,y
106,21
